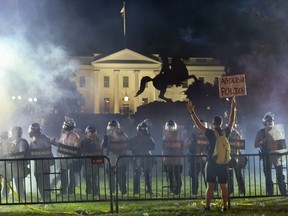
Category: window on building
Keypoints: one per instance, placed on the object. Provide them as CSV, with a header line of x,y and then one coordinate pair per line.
x,y
126,108
106,105
144,101
82,81
106,82
125,82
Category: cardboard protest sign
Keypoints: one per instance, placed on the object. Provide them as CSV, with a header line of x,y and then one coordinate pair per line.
x,y
230,86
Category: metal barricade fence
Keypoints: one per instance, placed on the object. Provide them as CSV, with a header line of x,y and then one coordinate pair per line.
x,y
55,180
135,178
189,176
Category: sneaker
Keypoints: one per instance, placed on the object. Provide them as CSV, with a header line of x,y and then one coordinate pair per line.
x,y
223,209
242,192
149,192
205,209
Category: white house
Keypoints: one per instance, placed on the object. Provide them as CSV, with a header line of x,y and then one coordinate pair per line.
x,y
109,83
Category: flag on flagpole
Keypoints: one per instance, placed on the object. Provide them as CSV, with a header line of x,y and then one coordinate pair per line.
x,y
123,13
122,10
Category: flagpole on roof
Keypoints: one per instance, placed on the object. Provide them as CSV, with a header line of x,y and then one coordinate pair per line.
x,y
123,12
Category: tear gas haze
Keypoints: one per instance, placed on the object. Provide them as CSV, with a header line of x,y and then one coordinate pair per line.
x,y
29,72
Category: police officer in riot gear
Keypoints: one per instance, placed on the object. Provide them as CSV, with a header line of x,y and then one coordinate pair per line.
x,y
142,144
40,147
266,139
173,145
238,163
19,150
91,146
69,146
5,168
198,146
115,144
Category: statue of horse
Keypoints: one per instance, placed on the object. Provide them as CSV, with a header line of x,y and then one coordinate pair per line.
x,y
167,76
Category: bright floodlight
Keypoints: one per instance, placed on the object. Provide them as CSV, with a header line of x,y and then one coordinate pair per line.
x,y
35,99
13,97
30,99
19,97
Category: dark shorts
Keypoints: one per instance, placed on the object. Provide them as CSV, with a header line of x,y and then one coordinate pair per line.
x,y
214,171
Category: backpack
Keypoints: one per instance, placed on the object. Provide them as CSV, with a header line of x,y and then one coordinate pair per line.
x,y
222,149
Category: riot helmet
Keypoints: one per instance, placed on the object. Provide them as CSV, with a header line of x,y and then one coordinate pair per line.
x,y
68,124
113,125
148,122
15,132
268,119
90,129
142,127
171,126
34,130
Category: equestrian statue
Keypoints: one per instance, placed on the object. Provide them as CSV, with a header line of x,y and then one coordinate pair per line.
x,y
167,76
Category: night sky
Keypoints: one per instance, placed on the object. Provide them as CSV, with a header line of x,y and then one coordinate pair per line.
x,y
248,37
83,27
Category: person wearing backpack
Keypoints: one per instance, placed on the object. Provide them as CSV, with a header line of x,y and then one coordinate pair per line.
x,y
217,159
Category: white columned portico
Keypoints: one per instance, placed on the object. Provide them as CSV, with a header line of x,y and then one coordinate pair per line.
x,y
133,65
137,84
96,90
116,92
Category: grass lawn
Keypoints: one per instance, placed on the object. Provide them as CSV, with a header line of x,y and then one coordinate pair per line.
x,y
253,206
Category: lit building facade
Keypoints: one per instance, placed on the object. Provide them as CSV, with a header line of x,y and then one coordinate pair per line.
x,y
109,83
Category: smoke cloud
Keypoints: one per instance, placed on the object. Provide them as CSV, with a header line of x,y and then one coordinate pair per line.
x,y
28,73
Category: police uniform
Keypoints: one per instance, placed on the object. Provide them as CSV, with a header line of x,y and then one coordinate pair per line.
x,y
238,166
69,146
115,143
197,146
142,144
5,167
267,144
40,147
173,145
91,146
19,150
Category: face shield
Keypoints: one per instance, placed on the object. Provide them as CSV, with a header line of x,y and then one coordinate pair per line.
x,y
15,133
171,126
268,119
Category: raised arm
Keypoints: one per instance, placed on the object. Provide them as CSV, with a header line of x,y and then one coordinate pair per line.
x,y
232,113
198,123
